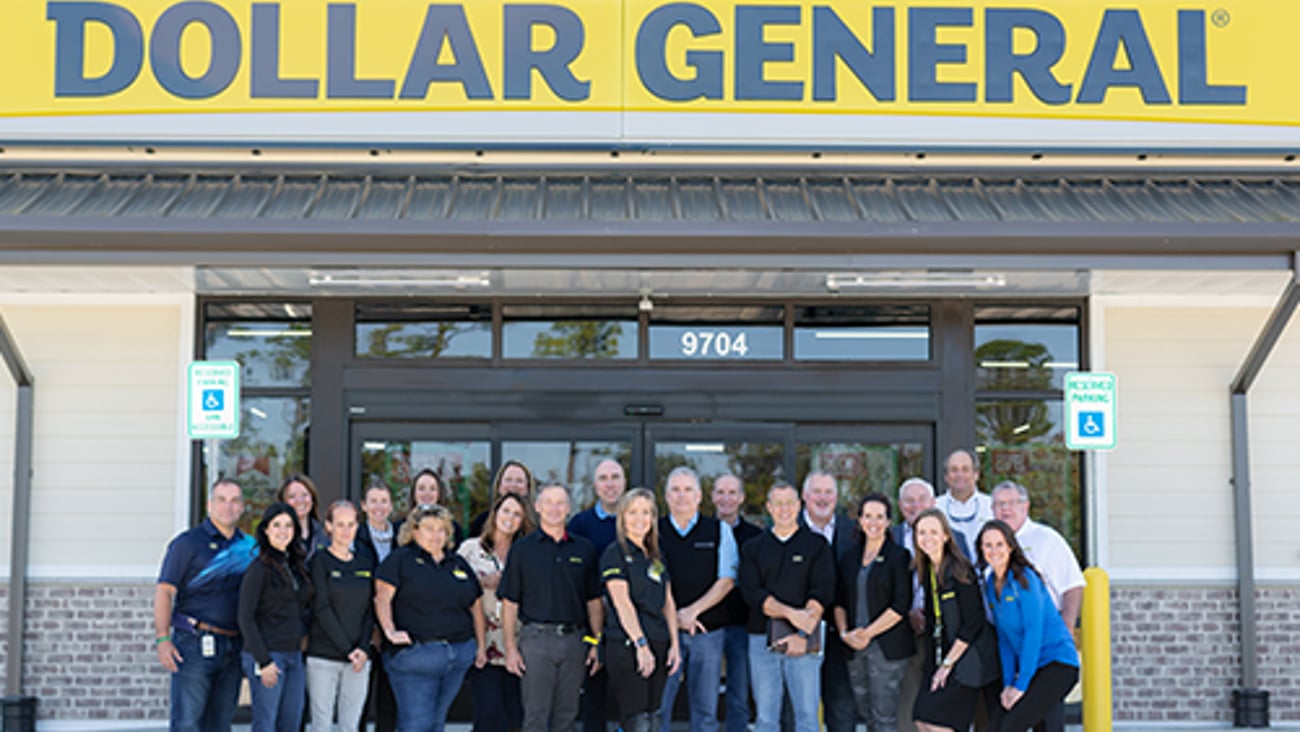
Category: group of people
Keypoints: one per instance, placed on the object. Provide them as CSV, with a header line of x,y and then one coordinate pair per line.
x,y
616,610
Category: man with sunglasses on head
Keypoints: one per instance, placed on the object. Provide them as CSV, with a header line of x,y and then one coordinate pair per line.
x,y
966,508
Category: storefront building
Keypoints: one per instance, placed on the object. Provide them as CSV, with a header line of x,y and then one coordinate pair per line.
x,y
755,238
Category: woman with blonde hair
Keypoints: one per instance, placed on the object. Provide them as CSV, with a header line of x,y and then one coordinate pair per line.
x,y
338,649
640,639
429,606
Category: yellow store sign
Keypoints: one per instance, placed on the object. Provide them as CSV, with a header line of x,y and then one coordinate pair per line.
x,y
828,73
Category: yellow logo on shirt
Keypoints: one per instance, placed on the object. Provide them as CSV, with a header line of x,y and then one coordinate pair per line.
x,y
575,560
459,574
656,571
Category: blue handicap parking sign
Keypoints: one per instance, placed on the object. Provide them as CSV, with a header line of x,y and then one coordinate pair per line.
x,y
1092,424
214,400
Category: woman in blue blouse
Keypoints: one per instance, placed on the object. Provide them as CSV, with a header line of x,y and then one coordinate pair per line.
x,y
1039,663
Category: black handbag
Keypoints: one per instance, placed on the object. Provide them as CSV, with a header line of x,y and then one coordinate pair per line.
x,y
980,665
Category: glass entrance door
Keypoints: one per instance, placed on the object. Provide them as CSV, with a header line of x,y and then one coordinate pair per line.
x,y
467,455
863,457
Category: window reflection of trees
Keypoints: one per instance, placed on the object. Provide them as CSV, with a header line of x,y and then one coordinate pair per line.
x,y
757,464
272,444
860,469
1022,439
420,340
280,358
461,466
579,339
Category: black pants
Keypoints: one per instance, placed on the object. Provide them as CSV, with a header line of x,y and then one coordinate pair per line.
x,y
631,692
594,714
497,701
1047,689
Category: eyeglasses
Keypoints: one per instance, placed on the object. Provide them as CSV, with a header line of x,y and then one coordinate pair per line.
x,y
1008,504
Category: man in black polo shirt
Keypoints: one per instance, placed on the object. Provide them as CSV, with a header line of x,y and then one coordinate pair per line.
x,y
787,574
701,556
728,498
195,605
551,585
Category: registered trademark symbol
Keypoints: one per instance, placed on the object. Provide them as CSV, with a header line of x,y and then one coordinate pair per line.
x,y
1220,18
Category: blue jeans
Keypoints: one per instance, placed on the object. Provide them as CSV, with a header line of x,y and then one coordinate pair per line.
x,y
800,676
425,678
736,650
702,664
204,691
279,708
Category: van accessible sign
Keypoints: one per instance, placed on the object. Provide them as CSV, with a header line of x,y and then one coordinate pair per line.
x,y
1090,398
212,400
819,74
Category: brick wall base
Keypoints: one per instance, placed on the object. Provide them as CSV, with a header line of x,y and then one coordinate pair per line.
x,y
1176,652
90,652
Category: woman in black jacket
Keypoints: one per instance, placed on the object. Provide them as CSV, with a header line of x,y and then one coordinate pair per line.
x,y
875,593
954,622
299,491
274,601
343,621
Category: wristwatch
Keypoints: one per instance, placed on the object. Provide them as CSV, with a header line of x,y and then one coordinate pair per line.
x,y
947,663
641,642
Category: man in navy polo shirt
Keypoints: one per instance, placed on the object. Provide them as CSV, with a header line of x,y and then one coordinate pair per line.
x,y
194,609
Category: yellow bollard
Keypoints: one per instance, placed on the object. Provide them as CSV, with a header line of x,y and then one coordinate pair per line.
x,y
1096,651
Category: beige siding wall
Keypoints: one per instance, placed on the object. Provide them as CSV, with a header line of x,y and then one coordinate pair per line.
x,y
105,483
1275,459
1169,495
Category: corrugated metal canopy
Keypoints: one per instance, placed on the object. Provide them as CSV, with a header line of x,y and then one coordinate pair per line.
x,y
996,212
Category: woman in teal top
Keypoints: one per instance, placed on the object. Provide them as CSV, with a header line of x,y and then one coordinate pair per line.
x,y
1039,663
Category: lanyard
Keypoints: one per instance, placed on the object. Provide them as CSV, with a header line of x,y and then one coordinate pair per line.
x,y
938,619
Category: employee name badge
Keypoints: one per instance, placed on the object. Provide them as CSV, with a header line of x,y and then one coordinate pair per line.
x,y
209,645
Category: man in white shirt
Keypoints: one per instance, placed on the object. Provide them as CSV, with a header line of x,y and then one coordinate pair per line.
x,y
1046,549
1052,557
966,508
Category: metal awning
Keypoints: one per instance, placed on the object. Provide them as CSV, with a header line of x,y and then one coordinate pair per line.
x,y
256,210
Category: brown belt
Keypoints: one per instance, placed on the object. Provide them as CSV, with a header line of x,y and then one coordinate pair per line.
x,y
202,627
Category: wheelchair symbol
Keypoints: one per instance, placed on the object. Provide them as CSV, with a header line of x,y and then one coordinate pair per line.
x,y
1092,424
213,400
